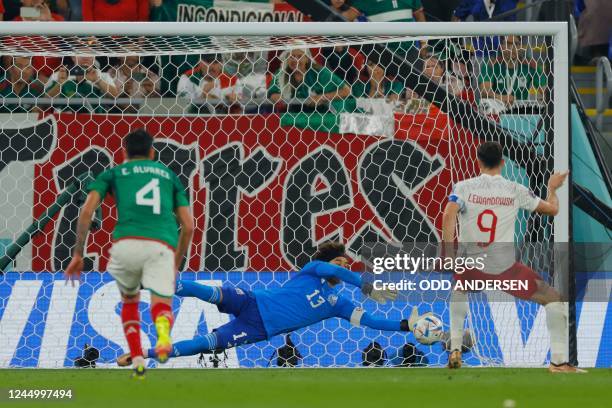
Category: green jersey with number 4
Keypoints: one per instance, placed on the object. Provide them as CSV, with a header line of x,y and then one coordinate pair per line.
x,y
146,194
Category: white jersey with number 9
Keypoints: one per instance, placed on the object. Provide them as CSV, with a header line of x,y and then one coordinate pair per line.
x,y
488,209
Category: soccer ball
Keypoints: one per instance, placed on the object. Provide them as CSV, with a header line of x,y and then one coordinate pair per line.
x,y
428,330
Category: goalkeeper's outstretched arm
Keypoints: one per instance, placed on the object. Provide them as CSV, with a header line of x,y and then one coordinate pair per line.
x,y
328,270
358,317
384,324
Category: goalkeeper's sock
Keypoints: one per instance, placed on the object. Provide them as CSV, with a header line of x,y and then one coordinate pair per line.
x,y
210,294
131,328
458,311
556,321
190,347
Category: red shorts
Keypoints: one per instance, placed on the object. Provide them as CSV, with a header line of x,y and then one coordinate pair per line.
x,y
518,271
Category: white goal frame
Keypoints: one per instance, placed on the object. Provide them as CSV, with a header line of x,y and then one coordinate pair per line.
x,y
558,30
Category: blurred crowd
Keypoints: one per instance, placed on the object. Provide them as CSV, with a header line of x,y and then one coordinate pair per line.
x,y
495,73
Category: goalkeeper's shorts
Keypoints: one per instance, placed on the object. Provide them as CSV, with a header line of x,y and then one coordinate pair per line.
x,y
247,327
517,272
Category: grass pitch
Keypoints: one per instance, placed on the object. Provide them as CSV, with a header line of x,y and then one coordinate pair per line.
x,y
308,388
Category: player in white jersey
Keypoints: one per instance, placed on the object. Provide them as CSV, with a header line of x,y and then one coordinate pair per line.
x,y
486,208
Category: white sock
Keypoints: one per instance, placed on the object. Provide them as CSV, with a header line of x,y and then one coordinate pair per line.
x,y
556,321
458,311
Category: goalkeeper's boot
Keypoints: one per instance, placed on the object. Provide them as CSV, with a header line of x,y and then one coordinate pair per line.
x,y
163,347
565,368
124,360
454,359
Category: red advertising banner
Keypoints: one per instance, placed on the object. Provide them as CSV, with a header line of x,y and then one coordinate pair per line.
x,y
262,195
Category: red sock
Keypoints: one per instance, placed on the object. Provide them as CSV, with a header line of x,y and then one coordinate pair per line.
x,y
131,328
162,309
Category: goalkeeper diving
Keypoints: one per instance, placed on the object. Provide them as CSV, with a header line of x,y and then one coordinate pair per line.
x,y
307,298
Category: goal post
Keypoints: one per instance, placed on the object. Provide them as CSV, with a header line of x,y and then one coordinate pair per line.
x,y
274,163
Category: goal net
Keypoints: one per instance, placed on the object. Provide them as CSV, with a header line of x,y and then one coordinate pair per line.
x,y
284,137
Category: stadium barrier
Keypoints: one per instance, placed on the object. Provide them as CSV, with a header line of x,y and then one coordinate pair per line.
x,y
46,323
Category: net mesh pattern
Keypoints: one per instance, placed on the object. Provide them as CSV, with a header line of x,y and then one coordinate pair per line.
x,y
281,143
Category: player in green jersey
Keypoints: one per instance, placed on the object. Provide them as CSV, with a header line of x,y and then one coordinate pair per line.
x,y
147,247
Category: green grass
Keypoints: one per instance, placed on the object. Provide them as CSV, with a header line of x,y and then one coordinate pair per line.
x,y
313,388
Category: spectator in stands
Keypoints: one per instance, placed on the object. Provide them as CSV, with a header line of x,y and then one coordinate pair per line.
x,y
375,92
244,64
391,10
149,86
440,10
10,10
82,79
40,10
116,10
63,8
435,70
20,82
208,87
395,10
594,28
129,76
37,10
481,10
250,68
440,72
344,8
314,86
509,77
75,9
417,103
341,62
339,58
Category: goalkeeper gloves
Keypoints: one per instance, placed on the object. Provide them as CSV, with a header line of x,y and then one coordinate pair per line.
x,y
379,296
414,318
410,323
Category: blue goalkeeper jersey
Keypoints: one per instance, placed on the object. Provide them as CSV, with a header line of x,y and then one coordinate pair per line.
x,y
305,299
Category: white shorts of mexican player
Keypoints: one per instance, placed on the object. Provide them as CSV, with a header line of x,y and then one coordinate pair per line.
x,y
139,263
489,206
